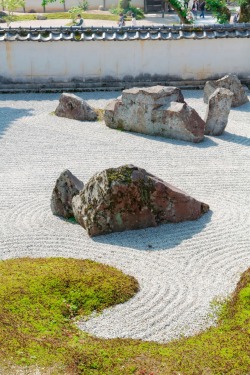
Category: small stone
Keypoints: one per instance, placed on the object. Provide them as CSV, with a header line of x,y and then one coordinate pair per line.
x,y
128,197
218,110
230,82
73,107
67,186
41,17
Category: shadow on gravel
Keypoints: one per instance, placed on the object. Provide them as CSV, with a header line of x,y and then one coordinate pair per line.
x,y
163,237
243,108
208,142
234,138
8,115
40,96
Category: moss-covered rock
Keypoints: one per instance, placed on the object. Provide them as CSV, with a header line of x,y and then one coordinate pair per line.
x,y
128,197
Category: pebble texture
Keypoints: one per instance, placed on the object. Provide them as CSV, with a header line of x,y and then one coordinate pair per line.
x,y
181,267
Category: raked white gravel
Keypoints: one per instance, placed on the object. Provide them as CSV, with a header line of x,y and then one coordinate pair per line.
x,y
182,267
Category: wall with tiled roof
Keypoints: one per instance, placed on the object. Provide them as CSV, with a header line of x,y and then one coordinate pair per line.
x,y
85,58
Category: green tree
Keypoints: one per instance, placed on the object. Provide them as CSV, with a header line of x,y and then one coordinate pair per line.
x,y
11,6
45,2
219,10
244,10
182,12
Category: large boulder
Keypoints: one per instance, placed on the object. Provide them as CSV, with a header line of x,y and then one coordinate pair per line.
x,y
218,110
66,187
73,107
128,197
230,82
156,110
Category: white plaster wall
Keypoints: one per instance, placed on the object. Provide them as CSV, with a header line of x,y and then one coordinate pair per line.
x,y
181,59
57,6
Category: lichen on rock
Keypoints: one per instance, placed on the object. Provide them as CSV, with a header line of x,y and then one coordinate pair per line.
x,y
128,197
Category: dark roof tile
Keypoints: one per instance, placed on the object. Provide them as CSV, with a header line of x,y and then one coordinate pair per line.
x,y
174,32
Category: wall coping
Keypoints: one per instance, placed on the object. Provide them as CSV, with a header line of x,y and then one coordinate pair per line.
x,y
52,34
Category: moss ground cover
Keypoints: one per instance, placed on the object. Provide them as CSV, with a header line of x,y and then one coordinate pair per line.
x,y
65,15
40,299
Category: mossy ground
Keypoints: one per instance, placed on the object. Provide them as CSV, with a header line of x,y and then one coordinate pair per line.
x,y
65,15
40,299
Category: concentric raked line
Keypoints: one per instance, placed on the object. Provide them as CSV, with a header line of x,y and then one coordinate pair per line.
x,y
181,267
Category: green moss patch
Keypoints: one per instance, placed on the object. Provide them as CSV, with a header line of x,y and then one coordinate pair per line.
x,y
121,174
40,299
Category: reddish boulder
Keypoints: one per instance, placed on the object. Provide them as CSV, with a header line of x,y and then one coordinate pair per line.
x,y
128,197
67,186
73,107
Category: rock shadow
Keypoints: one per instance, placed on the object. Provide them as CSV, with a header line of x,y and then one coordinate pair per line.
x,y
8,115
234,138
243,108
163,237
208,142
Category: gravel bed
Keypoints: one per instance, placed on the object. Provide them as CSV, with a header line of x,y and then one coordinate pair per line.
x,y
182,267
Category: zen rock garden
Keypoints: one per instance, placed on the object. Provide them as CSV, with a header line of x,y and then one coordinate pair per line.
x,y
123,198
128,197
162,110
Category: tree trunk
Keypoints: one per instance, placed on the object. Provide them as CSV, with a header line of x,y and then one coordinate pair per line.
x,y
124,4
183,19
245,12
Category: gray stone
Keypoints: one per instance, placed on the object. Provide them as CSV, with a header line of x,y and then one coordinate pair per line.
x,y
41,17
73,107
155,110
66,187
230,82
218,110
128,197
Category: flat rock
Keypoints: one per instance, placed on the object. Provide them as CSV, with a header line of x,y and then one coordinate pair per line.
x,y
217,112
156,110
41,17
74,107
66,187
128,197
230,82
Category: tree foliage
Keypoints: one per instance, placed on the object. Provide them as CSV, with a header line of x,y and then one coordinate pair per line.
x,y
219,10
45,2
12,5
244,10
180,9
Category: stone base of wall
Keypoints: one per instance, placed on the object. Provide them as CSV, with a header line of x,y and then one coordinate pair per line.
x,y
101,85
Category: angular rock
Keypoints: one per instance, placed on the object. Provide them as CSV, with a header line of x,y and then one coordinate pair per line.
x,y
218,110
230,82
73,107
128,197
66,187
155,110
